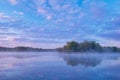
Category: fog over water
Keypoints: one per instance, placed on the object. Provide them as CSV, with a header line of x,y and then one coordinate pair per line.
x,y
59,66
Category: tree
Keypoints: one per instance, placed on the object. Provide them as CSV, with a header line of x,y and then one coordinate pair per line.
x,y
114,49
83,46
72,46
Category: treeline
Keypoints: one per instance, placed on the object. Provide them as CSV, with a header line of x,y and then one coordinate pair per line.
x,y
87,46
21,48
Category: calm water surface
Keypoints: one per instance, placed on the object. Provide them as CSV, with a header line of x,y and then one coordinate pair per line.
x,y
59,66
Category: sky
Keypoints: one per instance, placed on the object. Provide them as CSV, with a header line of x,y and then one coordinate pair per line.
x,y
52,23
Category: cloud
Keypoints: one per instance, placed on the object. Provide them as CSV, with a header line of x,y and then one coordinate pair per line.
x,y
115,20
2,16
14,2
9,18
41,10
49,17
39,2
44,12
19,13
111,34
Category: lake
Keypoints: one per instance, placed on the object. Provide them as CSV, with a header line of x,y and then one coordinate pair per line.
x,y
59,66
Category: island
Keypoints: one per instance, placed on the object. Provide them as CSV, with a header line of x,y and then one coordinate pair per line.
x,y
87,46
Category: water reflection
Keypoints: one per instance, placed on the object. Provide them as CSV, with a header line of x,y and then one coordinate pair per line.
x,y
56,66
85,61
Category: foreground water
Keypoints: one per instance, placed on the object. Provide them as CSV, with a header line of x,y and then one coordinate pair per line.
x,y
59,66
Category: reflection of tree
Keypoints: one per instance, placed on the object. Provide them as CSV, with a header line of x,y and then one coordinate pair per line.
x,y
86,61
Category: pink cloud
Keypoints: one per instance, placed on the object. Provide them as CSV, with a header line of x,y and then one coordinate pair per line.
x,y
44,12
41,11
2,16
14,2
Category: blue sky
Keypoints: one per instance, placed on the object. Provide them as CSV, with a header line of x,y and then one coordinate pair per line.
x,y
51,23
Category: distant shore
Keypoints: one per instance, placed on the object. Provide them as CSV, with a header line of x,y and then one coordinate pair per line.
x,y
85,46
23,49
